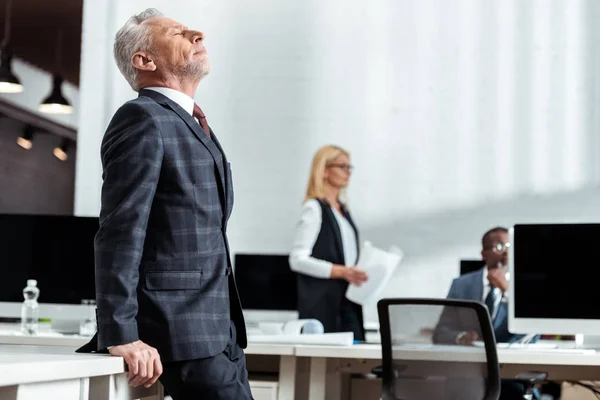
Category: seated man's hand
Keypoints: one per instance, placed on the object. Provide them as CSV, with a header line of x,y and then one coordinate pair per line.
x,y
142,360
497,277
467,338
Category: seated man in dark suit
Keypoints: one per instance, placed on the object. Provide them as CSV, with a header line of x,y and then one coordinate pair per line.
x,y
490,286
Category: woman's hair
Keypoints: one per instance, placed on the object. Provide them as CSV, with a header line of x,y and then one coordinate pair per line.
x,y
322,158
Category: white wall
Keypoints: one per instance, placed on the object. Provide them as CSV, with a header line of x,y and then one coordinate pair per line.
x,y
459,115
37,86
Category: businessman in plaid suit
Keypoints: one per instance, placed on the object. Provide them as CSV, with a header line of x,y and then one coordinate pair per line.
x,y
166,299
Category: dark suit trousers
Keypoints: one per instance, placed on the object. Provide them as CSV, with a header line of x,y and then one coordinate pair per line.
x,y
222,377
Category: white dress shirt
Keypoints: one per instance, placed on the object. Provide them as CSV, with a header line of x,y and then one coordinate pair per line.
x,y
348,238
182,99
499,296
307,231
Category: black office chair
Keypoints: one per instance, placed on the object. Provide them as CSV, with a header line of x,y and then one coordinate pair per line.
x,y
421,323
410,328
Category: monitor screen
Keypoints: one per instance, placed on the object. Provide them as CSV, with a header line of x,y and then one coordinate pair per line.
x,y
468,266
265,282
555,272
57,251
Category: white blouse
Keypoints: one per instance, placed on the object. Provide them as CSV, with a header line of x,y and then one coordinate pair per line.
x,y
307,231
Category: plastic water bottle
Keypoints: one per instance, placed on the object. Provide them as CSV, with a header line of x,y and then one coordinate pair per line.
x,y
30,309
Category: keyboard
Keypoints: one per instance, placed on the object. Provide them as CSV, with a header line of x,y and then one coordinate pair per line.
x,y
539,347
562,351
570,351
532,346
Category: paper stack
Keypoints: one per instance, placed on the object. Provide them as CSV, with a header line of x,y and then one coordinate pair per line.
x,y
379,265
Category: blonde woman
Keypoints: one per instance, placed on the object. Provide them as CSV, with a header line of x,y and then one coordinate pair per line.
x,y
325,247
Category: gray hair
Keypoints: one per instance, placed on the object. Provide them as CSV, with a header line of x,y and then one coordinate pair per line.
x,y
131,38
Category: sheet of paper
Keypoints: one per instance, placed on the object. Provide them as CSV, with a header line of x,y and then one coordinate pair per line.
x,y
379,265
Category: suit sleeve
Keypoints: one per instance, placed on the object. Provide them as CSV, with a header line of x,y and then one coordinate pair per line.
x,y
131,152
447,328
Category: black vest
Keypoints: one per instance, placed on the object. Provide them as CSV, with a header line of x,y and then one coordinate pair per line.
x,y
322,298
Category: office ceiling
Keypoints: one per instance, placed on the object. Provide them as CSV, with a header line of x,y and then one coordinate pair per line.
x,y
35,25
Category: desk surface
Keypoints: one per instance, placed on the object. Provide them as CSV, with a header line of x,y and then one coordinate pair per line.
x,y
270,349
74,341
24,364
453,353
359,351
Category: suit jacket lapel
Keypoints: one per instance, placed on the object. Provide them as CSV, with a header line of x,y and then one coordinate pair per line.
x,y
196,130
477,286
226,174
501,316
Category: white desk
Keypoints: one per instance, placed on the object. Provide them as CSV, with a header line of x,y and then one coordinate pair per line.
x,y
345,359
361,358
106,374
36,372
66,344
287,365
44,339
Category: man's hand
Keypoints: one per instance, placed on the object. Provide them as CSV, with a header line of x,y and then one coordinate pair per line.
x,y
355,276
143,362
467,338
497,277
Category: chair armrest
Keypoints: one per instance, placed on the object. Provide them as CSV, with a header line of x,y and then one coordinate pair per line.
x,y
378,371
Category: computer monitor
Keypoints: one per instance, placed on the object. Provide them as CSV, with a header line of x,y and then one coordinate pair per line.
x,y
554,279
468,266
58,252
267,287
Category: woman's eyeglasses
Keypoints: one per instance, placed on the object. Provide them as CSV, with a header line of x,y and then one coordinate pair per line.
x,y
345,167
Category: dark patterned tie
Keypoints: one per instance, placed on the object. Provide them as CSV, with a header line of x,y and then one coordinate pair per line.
x,y
490,300
202,118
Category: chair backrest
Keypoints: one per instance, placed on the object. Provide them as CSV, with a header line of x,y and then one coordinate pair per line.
x,y
427,355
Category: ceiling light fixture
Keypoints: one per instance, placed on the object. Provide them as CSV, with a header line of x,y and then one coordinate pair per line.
x,y
56,103
26,139
60,152
9,83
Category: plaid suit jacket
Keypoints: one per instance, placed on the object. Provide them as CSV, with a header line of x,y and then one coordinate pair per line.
x,y
161,252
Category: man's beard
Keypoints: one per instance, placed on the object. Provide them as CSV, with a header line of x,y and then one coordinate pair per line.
x,y
193,70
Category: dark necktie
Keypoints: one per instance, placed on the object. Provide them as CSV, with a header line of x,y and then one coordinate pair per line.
x,y
202,118
490,300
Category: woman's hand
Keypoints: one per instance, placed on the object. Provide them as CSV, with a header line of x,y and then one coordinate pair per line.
x,y
353,275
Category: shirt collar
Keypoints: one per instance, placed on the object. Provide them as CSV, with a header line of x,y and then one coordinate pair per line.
x,y
182,99
486,283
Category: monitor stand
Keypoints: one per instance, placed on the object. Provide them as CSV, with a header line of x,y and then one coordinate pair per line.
x,y
587,341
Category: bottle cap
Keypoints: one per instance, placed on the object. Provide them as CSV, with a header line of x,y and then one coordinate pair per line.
x,y
31,282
